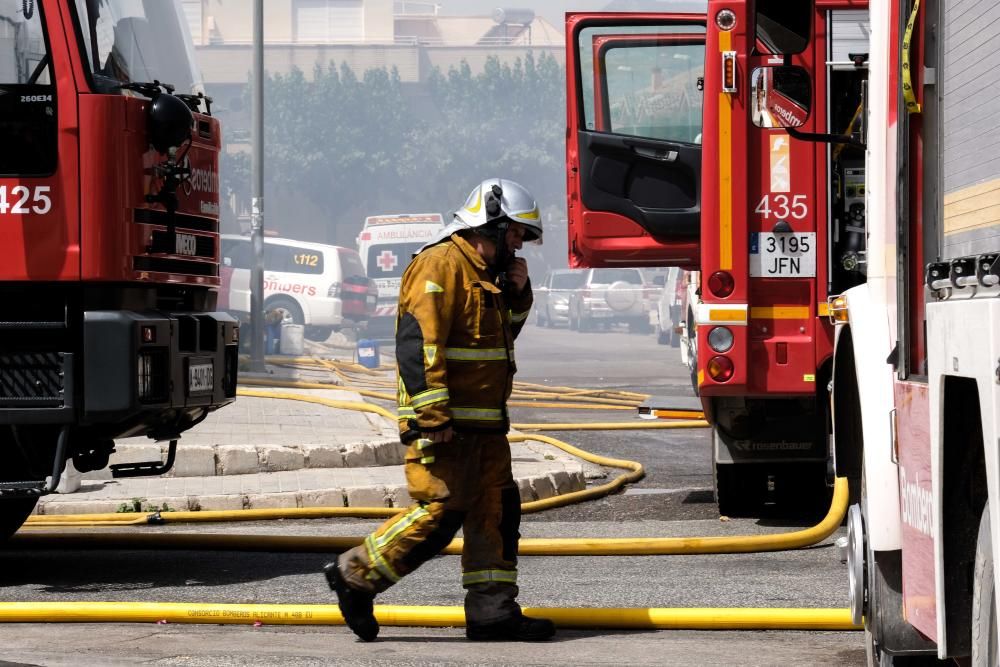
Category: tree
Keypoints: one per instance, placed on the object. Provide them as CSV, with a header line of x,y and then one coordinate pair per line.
x,y
351,147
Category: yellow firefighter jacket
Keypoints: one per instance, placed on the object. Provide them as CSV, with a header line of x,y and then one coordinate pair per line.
x,y
455,333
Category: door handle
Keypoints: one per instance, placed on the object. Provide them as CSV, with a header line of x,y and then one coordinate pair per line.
x,y
660,154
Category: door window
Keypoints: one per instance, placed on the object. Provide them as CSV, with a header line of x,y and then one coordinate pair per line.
x,y
27,97
647,79
293,259
236,254
652,91
350,263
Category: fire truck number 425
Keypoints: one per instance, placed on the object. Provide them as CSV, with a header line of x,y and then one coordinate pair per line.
x,y
21,200
781,206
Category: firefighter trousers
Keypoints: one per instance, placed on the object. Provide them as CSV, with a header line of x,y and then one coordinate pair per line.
x,y
466,483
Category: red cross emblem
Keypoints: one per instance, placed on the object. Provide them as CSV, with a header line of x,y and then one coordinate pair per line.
x,y
387,261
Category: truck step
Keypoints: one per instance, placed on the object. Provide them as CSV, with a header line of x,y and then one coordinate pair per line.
x,y
146,468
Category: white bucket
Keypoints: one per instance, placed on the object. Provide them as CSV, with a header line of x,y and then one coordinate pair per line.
x,y
292,339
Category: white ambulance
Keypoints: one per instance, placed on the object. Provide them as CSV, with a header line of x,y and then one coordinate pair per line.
x,y
386,245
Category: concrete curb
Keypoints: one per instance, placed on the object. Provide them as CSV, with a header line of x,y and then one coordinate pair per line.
x,y
330,488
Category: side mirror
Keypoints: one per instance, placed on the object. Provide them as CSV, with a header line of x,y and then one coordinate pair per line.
x,y
780,96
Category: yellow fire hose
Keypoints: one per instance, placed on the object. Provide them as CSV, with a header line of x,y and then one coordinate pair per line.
x,y
255,382
624,546
424,616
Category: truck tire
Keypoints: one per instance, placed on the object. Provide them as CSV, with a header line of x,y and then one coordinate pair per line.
x,y
13,513
984,599
740,490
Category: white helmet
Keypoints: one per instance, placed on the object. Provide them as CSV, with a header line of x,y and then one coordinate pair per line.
x,y
498,198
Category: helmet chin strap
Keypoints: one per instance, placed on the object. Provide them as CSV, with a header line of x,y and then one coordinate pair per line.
x,y
502,257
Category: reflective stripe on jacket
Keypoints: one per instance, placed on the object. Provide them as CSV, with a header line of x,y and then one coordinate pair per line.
x,y
455,335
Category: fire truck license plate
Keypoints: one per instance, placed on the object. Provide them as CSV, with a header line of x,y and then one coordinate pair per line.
x,y
187,244
201,377
782,255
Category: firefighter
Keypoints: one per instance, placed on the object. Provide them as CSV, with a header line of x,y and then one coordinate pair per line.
x,y
462,301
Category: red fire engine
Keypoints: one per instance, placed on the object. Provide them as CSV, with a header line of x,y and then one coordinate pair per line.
x,y
109,221
693,144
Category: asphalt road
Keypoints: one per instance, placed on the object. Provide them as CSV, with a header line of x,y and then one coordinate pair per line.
x,y
674,499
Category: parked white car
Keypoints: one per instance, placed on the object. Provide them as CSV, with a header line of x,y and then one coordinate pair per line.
x,y
321,286
609,296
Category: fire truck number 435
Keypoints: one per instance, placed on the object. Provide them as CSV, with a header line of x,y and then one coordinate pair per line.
x,y
781,206
21,200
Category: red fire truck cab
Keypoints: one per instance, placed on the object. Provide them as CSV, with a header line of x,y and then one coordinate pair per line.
x,y
109,257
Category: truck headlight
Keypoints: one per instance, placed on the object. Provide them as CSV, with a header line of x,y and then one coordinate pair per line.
x,y
151,375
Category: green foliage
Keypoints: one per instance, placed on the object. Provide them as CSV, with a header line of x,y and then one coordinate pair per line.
x,y
136,505
372,145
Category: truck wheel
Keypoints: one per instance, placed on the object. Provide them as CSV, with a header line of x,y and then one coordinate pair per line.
x,y
802,487
984,599
318,334
740,490
13,513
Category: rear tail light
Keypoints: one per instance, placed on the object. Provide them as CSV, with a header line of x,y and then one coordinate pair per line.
x,y
354,286
720,369
334,291
721,284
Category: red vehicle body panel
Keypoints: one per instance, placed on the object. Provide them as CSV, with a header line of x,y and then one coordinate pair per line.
x,y
917,507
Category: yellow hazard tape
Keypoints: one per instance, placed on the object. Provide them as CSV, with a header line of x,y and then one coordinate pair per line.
x,y
912,106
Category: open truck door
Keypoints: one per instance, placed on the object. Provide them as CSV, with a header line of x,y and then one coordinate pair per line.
x,y
633,145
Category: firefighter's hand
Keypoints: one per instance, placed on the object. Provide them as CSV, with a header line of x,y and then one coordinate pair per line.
x,y
438,436
517,273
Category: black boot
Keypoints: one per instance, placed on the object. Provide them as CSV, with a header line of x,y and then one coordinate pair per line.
x,y
517,629
355,606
